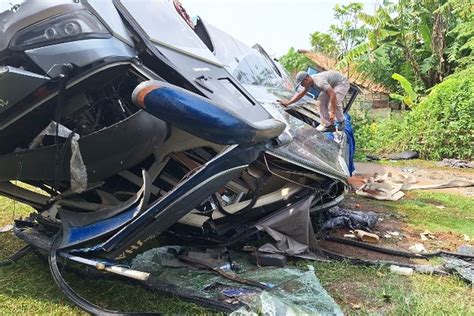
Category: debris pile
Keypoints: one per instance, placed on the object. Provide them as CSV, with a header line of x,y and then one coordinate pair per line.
x,y
390,187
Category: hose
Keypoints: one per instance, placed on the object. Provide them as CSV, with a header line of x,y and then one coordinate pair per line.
x,y
398,253
365,262
70,293
16,256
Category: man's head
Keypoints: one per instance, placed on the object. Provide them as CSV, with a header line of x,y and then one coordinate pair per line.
x,y
302,78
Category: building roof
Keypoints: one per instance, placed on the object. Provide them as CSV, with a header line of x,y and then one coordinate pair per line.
x,y
326,63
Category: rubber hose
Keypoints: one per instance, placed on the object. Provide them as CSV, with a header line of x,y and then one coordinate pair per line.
x,y
16,256
399,253
70,293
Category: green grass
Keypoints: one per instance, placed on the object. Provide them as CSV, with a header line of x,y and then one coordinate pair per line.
x,y
27,287
426,164
377,291
413,163
419,209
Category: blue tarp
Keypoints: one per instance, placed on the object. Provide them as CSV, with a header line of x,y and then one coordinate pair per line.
x,y
349,131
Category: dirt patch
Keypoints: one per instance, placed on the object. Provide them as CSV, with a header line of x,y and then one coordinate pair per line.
x,y
353,295
394,233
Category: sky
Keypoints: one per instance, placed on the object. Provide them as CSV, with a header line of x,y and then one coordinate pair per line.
x,y
277,25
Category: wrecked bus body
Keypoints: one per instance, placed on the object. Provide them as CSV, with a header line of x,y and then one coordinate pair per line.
x,y
123,125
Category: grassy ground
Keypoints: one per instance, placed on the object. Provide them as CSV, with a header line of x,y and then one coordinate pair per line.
x,y
27,287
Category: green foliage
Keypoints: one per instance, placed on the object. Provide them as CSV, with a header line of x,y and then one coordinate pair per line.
x,y
461,51
347,30
294,61
440,126
423,40
324,43
376,136
410,95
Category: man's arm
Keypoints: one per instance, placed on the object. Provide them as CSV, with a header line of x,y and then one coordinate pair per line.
x,y
332,104
294,98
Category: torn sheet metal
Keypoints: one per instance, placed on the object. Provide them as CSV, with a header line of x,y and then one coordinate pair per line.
x,y
78,169
455,163
460,267
381,191
6,228
50,130
292,230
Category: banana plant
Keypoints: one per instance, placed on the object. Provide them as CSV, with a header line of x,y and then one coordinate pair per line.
x,y
410,96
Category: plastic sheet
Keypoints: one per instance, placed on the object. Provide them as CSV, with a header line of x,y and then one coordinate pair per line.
x,y
78,168
292,230
337,217
291,290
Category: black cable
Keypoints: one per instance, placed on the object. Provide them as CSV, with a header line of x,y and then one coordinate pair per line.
x,y
63,79
395,252
69,292
16,256
224,274
365,262
389,251
152,284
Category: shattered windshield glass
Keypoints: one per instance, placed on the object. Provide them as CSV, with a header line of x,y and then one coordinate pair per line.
x,y
247,64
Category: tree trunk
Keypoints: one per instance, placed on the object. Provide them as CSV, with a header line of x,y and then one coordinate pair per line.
x,y
438,44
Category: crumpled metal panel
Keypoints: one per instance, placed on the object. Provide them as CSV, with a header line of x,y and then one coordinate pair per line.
x,y
105,152
16,84
301,143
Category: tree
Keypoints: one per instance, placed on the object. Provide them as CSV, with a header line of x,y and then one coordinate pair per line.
x,y
294,61
348,31
324,43
421,37
461,50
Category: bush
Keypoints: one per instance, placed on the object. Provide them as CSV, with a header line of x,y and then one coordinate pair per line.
x,y
440,126
377,137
